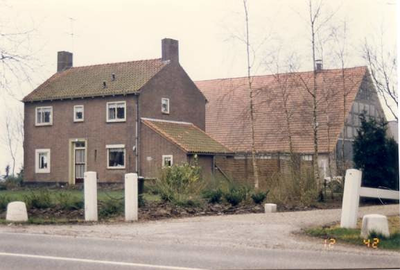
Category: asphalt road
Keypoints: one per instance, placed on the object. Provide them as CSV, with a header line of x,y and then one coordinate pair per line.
x,y
27,251
229,242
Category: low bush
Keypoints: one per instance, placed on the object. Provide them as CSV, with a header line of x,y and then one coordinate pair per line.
x,y
179,183
11,182
66,201
111,207
235,195
188,203
38,199
4,200
213,196
259,196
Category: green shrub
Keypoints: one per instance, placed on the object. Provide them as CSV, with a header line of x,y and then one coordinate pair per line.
x,y
12,182
111,207
259,196
188,203
66,201
213,196
141,201
179,183
39,199
4,200
235,195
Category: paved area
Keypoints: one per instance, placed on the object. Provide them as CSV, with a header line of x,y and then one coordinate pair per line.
x,y
240,241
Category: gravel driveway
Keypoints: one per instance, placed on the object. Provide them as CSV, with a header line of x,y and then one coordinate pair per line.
x,y
268,231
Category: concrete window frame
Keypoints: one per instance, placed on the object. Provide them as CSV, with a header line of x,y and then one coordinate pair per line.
x,y
115,104
165,105
167,158
111,147
42,161
39,120
76,108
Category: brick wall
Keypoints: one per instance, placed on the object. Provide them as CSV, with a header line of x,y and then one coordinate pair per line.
x,y
153,146
241,170
94,129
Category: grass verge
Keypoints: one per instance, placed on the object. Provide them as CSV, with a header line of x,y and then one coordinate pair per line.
x,y
352,236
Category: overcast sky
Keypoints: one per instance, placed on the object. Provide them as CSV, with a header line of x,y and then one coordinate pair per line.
x,y
208,31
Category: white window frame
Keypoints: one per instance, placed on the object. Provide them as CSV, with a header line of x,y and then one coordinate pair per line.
x,y
37,153
51,116
115,146
167,156
307,157
116,119
167,102
83,113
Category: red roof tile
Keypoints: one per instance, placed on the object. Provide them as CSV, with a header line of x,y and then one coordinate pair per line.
x,y
228,118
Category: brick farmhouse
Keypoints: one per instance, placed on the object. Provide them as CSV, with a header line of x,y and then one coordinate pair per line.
x,y
283,118
114,119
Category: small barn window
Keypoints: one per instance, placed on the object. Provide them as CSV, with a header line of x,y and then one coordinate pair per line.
x,y
42,161
44,116
78,113
165,105
167,160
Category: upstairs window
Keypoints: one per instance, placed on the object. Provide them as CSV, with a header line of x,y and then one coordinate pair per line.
x,y
44,116
42,161
78,113
116,156
165,105
167,160
116,111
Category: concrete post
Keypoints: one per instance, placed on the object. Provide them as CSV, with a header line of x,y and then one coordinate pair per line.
x,y
131,197
16,211
90,192
351,198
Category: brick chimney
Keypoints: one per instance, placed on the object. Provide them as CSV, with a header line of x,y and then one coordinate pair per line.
x,y
318,65
170,50
64,61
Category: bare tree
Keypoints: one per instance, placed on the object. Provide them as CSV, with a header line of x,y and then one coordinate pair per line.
x,y
251,100
382,64
17,63
316,23
12,139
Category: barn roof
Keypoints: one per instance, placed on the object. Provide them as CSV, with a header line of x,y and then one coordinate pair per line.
x,y
278,98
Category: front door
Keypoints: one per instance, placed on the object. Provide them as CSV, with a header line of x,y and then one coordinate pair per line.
x,y
79,160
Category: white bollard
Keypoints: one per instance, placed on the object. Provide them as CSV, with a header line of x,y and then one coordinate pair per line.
x,y
270,208
131,197
374,223
16,211
351,199
90,191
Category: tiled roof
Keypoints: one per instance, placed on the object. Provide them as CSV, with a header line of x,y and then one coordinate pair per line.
x,y
228,117
87,81
187,136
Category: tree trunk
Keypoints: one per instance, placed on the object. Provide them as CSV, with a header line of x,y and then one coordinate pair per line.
x,y
252,114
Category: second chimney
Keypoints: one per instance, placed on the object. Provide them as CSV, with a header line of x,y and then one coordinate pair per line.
x,y
318,65
170,50
64,61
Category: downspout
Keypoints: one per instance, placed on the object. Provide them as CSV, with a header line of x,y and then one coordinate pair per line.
x,y
137,135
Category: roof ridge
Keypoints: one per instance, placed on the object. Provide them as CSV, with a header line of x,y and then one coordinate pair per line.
x,y
281,73
115,63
